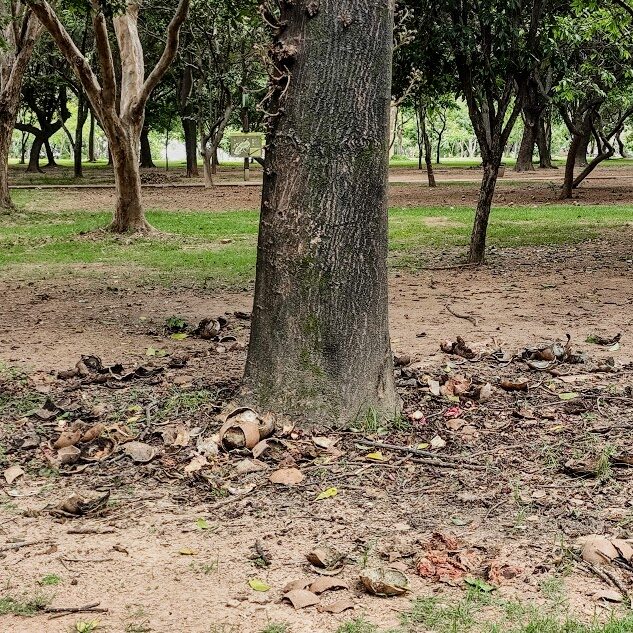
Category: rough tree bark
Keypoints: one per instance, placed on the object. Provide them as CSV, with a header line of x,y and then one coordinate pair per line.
x,y
20,30
78,145
544,140
319,345
121,119
581,149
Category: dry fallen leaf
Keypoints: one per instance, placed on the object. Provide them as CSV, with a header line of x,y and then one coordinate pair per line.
x,y
384,582
139,452
196,464
12,473
437,442
301,598
610,595
296,584
336,607
287,476
325,584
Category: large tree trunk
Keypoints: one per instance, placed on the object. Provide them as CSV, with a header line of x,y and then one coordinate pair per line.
x,y
477,253
128,215
581,149
146,149
621,147
34,155
319,346
191,143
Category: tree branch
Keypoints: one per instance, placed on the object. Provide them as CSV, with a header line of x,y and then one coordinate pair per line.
x,y
79,64
104,55
169,52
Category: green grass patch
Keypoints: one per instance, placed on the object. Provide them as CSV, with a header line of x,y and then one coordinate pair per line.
x,y
218,249
25,606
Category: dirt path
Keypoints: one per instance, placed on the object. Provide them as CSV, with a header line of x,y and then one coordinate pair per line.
x,y
156,568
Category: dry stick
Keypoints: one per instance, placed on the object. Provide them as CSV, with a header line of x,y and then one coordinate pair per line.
x,y
468,317
60,612
13,546
440,464
414,451
91,531
608,577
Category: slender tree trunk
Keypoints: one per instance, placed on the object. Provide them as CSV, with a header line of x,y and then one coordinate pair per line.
x,y
544,142
34,155
7,121
207,160
146,149
92,158
23,146
528,140
427,154
78,146
50,157
621,147
437,151
319,346
577,140
477,253
214,161
191,143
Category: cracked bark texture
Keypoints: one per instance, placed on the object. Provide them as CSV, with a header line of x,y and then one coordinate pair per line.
x,y
319,346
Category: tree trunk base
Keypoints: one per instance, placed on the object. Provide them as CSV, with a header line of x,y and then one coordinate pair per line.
x,y
141,227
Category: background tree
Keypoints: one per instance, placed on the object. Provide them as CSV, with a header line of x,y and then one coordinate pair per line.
x,y
20,30
319,346
121,115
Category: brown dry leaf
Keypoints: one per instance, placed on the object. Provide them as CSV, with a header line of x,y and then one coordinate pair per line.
x,y
75,506
336,607
434,387
437,442
68,438
93,433
246,466
512,385
599,550
325,556
296,584
140,452
287,476
325,442
499,572
325,584
260,448
455,424
610,595
301,598
68,455
485,392
196,464
12,473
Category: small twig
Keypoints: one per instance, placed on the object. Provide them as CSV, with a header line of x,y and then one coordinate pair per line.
x,y
14,546
88,530
441,464
607,577
86,560
468,317
60,612
413,451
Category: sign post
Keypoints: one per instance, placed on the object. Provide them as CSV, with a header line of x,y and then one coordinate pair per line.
x,y
247,145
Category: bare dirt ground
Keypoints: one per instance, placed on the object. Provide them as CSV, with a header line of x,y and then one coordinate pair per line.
x,y
456,187
149,560
174,550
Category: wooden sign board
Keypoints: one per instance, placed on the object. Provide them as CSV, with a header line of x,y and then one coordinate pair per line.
x,y
247,145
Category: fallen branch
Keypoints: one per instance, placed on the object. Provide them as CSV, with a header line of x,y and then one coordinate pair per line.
x,y
609,578
418,452
468,317
60,612
91,531
14,546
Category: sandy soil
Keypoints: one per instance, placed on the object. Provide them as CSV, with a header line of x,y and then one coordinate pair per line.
x,y
155,568
146,559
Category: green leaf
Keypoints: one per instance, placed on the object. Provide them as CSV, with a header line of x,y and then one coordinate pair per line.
x,y
179,336
479,584
258,585
326,494
202,524
569,395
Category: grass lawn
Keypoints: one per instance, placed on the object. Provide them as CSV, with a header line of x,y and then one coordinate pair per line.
x,y
194,244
